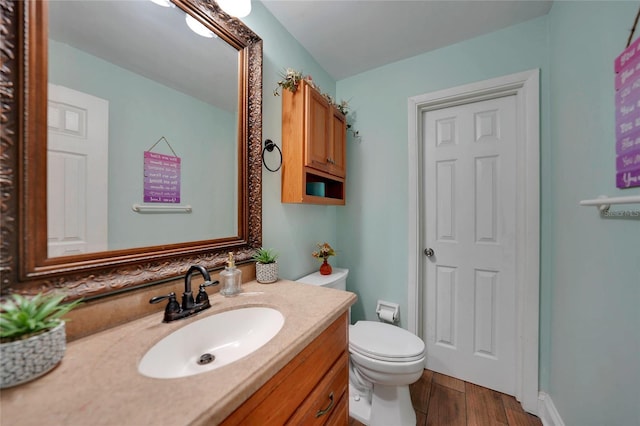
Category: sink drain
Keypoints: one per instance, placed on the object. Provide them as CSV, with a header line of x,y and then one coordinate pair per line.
x,y
206,359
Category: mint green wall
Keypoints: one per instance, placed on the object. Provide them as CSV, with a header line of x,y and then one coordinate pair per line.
x,y
594,364
292,229
373,226
590,278
140,112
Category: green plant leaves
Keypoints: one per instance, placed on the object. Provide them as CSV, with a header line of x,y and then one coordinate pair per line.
x,y
265,256
24,316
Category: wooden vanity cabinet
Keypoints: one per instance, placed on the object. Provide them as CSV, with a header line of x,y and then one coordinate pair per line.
x,y
314,135
311,390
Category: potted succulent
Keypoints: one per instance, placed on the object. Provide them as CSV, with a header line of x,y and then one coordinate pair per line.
x,y
266,265
32,336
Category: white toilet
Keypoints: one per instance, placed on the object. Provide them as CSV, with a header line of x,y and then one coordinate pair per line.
x,y
384,361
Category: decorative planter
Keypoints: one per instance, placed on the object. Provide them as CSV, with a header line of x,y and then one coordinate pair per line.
x,y
25,360
325,268
266,272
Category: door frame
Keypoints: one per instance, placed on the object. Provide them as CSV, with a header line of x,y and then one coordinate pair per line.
x,y
526,87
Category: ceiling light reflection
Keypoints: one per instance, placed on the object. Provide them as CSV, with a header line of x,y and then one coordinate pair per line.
x,y
197,27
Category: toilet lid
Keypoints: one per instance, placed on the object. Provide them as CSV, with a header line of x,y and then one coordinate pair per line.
x,y
385,342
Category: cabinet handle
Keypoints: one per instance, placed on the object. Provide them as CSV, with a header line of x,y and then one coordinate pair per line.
x,y
321,413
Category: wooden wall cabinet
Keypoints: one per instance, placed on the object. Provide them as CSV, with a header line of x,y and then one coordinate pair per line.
x,y
314,136
311,390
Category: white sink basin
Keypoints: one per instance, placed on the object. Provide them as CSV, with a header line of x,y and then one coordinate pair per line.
x,y
227,337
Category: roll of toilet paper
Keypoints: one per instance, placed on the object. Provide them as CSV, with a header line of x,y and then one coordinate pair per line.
x,y
386,316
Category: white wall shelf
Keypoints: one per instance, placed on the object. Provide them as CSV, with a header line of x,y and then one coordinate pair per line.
x,y
603,202
142,208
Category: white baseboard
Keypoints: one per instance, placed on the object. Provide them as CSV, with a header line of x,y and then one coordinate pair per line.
x,y
547,412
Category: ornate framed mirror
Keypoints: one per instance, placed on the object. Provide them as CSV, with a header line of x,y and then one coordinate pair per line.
x,y
29,203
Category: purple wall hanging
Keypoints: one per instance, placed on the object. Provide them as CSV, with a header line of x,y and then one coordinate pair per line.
x,y
161,176
627,99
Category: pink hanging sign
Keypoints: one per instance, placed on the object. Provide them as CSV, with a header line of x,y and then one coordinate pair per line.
x,y
161,178
627,104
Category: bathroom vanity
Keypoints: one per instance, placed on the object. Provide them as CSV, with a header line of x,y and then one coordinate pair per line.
x,y
300,376
311,389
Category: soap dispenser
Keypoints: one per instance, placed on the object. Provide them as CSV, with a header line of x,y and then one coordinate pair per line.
x,y
231,278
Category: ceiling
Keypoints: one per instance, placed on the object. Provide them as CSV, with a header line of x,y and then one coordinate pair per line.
x,y
348,37
151,41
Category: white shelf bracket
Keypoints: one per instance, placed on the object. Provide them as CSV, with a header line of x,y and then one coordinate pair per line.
x,y
603,203
141,208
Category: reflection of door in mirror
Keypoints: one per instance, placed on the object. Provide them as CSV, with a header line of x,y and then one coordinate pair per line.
x,y
77,172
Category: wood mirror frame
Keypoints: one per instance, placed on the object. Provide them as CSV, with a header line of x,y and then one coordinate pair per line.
x,y
24,265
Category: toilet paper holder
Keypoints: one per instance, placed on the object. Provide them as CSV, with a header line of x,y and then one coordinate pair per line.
x,y
388,311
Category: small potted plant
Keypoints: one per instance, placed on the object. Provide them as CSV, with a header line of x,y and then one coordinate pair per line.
x,y
266,265
324,252
32,336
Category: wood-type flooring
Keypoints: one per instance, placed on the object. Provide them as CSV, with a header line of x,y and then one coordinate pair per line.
x,y
441,400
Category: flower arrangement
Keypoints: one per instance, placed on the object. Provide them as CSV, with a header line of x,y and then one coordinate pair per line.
x,y
291,80
324,252
343,107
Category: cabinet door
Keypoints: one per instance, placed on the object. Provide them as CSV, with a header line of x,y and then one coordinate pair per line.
x,y
318,130
324,361
338,146
325,399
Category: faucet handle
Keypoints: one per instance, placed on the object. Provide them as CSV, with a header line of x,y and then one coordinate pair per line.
x,y
173,305
202,293
172,308
158,299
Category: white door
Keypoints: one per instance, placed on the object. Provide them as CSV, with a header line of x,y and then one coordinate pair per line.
x,y
470,226
77,172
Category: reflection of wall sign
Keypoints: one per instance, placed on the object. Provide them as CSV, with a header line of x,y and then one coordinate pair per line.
x,y
627,83
161,178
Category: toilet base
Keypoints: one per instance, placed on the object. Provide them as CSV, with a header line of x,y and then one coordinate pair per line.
x,y
390,405
359,406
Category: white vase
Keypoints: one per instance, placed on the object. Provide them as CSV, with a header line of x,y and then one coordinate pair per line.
x,y
25,360
266,272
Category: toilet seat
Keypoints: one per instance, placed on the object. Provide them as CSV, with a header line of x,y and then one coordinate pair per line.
x,y
384,342
384,372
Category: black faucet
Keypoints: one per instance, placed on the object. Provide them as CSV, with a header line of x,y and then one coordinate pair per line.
x,y
174,310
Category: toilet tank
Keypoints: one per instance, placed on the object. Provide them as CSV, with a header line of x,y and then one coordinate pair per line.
x,y
337,279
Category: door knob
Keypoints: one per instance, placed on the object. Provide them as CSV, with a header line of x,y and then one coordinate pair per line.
x,y
428,252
